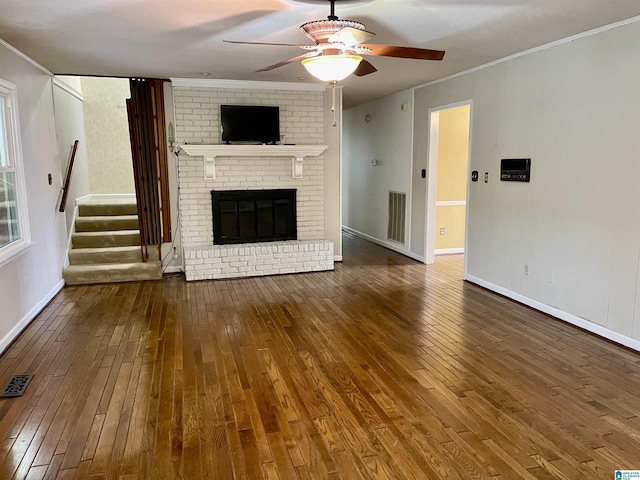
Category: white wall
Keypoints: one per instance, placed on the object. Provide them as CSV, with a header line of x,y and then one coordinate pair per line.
x,y
107,135
450,180
573,109
171,263
30,280
333,172
386,138
303,119
69,113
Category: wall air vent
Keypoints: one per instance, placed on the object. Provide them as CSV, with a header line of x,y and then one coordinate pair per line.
x,y
397,216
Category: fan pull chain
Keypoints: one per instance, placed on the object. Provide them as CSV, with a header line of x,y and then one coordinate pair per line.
x,y
333,102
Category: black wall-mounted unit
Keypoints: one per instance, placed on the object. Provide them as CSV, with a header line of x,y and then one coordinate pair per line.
x,y
515,169
250,124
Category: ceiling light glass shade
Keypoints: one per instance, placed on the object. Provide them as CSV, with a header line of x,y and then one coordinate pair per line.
x,y
332,68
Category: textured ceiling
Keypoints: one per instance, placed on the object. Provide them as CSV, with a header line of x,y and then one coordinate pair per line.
x,y
167,38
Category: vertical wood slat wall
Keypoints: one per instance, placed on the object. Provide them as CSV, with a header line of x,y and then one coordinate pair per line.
x,y
146,114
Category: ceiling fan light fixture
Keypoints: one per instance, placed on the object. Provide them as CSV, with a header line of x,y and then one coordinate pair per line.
x,y
332,68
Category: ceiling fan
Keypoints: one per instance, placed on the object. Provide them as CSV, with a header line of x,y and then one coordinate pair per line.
x,y
338,48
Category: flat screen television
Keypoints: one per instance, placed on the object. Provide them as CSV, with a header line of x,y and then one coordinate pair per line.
x,y
250,124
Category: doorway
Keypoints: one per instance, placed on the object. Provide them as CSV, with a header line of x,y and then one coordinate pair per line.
x,y
447,185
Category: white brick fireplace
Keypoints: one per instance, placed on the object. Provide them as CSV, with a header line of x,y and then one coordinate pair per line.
x,y
206,165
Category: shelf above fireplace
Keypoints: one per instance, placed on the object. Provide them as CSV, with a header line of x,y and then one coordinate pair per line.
x,y
210,152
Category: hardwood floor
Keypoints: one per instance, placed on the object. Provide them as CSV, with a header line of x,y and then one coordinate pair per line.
x,y
384,368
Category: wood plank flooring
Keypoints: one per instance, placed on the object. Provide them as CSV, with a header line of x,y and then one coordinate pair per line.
x,y
384,368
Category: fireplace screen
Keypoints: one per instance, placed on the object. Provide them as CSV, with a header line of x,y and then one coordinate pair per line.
x,y
249,216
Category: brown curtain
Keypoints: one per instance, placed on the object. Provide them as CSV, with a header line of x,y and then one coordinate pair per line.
x,y
149,150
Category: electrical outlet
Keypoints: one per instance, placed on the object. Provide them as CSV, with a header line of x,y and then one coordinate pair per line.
x,y
442,231
526,269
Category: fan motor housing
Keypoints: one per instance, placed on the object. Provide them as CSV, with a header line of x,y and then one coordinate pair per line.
x,y
320,30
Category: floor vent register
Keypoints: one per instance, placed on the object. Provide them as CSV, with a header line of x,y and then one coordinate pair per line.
x,y
16,386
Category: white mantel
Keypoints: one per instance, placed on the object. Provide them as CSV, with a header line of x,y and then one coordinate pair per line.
x,y
210,152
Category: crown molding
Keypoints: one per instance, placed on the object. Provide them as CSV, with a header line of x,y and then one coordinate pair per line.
x,y
246,84
68,88
13,49
546,46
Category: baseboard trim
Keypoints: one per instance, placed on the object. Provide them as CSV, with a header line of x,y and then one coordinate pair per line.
x,y
84,198
559,314
29,317
448,251
66,262
384,244
173,269
337,258
105,196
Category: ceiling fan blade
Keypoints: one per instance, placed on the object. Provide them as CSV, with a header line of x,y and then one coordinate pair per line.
x,y
351,36
274,44
364,68
400,52
286,62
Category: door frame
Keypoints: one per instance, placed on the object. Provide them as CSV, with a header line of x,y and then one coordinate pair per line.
x,y
433,129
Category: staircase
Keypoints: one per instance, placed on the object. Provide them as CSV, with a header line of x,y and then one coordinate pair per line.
x,y
106,246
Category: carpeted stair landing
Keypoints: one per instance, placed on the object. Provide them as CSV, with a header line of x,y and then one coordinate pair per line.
x,y
106,246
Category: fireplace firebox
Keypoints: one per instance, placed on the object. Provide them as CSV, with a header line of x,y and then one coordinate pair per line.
x,y
250,216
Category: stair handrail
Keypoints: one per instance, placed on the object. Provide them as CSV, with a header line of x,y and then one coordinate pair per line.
x,y
67,180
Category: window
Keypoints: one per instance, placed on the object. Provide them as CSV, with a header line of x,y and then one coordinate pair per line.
x,y
14,228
